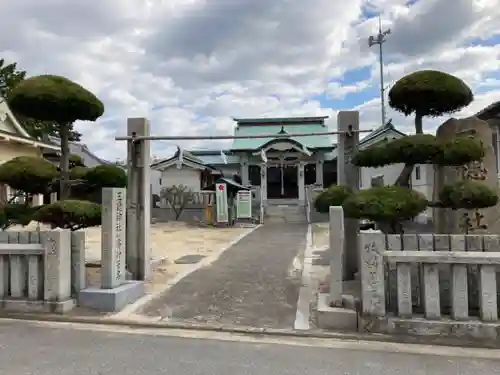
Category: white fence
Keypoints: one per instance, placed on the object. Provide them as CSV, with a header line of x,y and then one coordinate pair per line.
x,y
430,284
39,271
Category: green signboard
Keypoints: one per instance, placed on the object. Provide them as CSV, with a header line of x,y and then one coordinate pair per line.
x,y
221,203
244,204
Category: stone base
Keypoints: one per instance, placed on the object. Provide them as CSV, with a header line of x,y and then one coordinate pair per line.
x,y
473,329
19,305
111,300
336,318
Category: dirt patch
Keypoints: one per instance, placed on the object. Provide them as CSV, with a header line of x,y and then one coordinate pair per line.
x,y
169,242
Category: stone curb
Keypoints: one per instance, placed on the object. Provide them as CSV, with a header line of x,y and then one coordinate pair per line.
x,y
318,334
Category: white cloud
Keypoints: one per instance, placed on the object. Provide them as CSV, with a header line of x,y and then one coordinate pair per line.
x,y
192,65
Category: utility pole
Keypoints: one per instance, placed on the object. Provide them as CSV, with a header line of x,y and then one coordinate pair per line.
x,y
380,39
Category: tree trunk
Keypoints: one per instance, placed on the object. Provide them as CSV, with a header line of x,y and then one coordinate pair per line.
x,y
64,162
404,177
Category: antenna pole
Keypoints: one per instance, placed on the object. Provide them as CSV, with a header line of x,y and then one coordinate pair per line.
x,y
380,39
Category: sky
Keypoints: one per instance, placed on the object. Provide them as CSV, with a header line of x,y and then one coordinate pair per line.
x,y
191,66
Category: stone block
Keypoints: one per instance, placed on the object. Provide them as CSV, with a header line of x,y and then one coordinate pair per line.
x,y
335,318
111,300
58,307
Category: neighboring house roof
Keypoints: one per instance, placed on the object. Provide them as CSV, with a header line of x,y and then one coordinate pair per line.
x,y
18,133
188,159
89,159
280,127
491,111
371,138
380,131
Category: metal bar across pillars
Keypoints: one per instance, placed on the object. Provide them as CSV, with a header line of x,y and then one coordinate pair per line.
x,y
133,137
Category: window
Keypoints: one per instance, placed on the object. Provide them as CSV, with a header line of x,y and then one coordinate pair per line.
x,y
254,175
417,173
159,180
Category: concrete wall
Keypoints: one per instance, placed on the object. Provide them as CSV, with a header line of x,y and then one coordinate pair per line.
x,y
155,182
190,215
9,151
185,176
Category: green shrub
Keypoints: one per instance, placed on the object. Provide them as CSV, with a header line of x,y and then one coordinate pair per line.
x,y
56,99
75,161
70,214
413,149
335,195
78,173
106,176
467,195
385,204
460,151
16,214
32,175
429,93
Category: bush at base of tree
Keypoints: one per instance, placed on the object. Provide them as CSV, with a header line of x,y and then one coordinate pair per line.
x,y
70,214
335,195
385,204
31,175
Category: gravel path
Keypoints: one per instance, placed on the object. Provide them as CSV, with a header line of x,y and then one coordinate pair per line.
x,y
252,284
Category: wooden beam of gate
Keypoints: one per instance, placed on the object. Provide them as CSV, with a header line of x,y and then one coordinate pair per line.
x,y
220,137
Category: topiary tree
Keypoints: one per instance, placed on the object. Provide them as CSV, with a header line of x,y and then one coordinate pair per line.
x,y
30,175
106,176
70,214
58,100
391,205
427,93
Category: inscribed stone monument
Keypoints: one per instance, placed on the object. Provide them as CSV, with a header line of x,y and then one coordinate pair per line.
x,y
113,237
452,221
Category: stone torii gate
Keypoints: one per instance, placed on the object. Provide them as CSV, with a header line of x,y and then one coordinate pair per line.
x,y
138,248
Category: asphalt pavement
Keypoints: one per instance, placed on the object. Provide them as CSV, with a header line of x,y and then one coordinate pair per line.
x,y
49,349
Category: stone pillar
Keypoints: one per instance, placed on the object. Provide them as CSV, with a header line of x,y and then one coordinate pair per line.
x,y
138,200
113,237
57,265
319,173
301,182
263,183
336,230
349,174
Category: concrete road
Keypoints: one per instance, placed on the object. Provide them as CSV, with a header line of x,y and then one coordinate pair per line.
x,y
51,348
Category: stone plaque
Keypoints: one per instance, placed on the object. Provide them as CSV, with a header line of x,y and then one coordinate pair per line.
x,y
113,237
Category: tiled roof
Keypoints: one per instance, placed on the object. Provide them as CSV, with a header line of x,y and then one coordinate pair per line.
x,y
256,143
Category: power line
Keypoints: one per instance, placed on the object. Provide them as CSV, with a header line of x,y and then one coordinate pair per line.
x,y
380,39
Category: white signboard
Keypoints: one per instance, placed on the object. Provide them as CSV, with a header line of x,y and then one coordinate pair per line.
x,y
221,203
244,204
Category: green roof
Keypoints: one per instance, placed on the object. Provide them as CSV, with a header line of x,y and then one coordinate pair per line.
x,y
307,141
